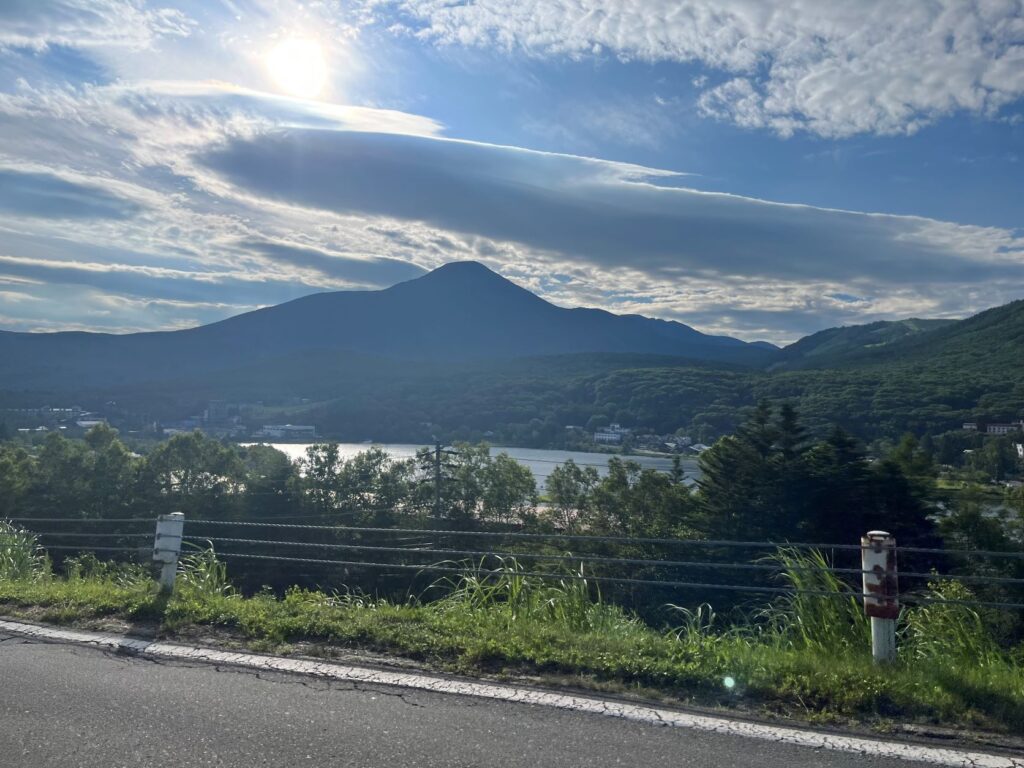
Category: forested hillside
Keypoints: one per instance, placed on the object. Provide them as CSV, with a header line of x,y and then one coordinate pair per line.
x,y
877,381
835,346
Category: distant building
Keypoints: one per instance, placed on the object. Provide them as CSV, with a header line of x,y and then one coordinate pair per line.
x,y
178,427
613,434
699,447
971,426
1003,429
288,431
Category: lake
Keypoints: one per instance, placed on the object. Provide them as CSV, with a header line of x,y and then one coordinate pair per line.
x,y
540,462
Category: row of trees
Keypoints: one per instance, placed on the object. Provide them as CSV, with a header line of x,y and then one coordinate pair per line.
x,y
767,481
100,477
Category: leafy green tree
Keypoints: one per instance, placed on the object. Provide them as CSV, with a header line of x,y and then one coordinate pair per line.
x,y
374,487
16,481
632,501
194,474
997,459
61,481
271,482
463,492
510,492
321,471
570,488
113,474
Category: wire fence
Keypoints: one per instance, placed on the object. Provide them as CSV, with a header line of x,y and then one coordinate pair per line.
x,y
650,563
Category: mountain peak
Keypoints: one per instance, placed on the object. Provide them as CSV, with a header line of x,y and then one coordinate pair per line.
x,y
465,282
462,272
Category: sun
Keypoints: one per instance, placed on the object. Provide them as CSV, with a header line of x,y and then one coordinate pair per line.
x,y
298,67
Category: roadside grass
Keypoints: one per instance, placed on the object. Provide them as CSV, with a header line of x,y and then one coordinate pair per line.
x,y
806,655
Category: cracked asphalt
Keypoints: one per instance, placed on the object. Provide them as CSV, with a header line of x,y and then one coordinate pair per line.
x,y
82,707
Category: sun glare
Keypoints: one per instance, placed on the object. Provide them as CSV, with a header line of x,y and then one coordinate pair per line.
x,y
298,67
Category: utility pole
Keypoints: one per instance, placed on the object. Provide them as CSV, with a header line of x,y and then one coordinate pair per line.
x,y
436,458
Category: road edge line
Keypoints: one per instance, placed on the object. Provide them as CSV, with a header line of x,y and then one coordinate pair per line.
x,y
500,692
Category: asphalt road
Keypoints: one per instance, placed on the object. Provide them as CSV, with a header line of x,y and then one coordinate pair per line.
x,y
79,707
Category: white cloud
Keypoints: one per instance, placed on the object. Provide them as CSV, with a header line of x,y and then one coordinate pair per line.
x,y
128,24
831,67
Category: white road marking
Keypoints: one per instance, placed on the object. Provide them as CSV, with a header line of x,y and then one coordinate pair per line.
x,y
633,712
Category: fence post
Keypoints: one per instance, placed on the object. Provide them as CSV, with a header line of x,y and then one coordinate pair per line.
x,y
881,592
167,547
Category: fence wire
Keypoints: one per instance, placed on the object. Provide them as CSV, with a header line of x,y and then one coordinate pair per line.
x,y
419,542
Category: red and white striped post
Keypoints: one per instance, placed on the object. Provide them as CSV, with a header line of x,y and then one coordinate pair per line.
x,y
881,592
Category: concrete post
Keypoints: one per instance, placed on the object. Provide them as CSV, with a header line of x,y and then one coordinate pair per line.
x,y
881,592
167,547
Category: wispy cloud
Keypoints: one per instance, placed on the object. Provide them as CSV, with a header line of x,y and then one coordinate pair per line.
x,y
88,23
49,195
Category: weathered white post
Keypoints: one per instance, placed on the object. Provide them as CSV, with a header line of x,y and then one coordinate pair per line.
x,y
167,547
881,592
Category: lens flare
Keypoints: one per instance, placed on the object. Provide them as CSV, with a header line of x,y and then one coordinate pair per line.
x,y
729,683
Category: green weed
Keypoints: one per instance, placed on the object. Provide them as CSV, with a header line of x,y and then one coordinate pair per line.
x,y
21,557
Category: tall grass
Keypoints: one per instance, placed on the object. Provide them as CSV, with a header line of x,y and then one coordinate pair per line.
x,y
819,615
509,592
204,573
21,557
948,633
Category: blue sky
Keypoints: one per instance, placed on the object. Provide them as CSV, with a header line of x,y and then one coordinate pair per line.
x,y
752,168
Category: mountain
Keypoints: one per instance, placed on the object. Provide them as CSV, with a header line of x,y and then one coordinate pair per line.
x,y
835,347
460,312
989,342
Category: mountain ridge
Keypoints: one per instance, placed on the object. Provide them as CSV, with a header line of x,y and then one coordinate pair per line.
x,y
461,311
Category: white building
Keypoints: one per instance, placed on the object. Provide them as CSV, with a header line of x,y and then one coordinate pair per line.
x,y
1002,429
613,434
288,431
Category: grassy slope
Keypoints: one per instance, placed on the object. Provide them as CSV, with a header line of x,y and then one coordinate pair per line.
x,y
534,630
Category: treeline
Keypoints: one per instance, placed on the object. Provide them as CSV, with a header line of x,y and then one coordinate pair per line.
x,y
770,481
